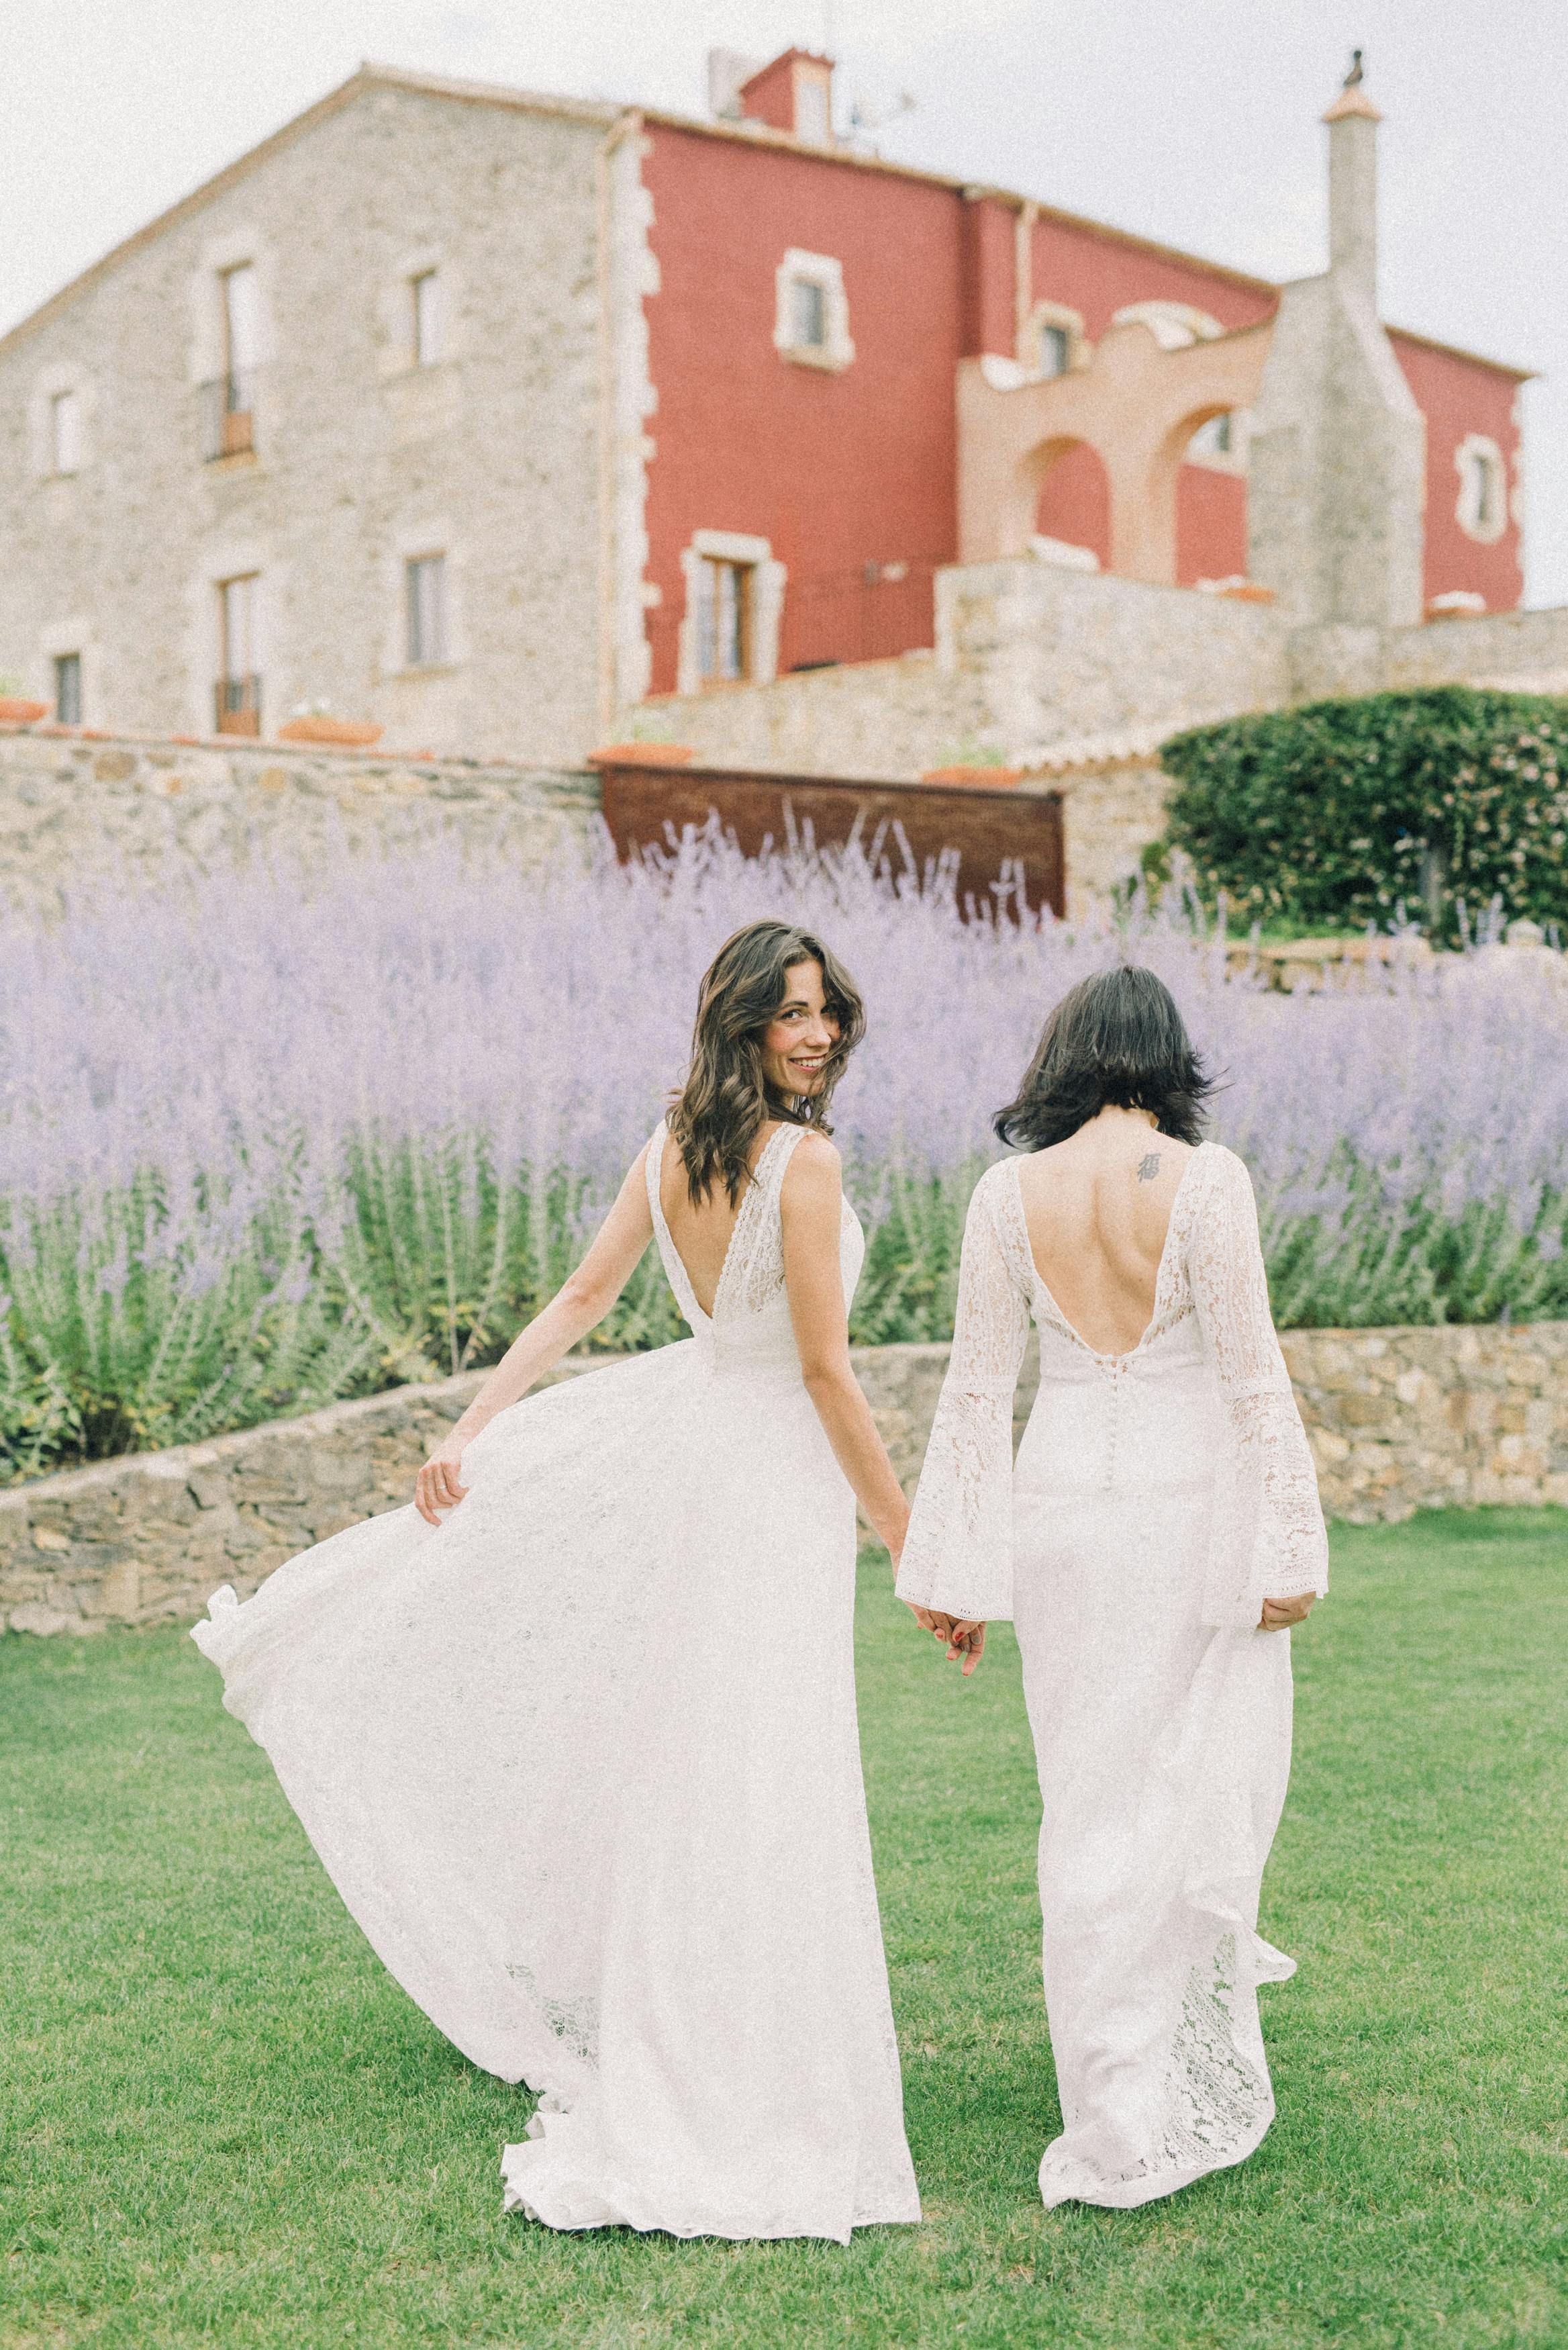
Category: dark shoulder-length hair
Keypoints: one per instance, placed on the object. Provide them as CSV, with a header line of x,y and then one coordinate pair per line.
x,y
714,1118
1116,1038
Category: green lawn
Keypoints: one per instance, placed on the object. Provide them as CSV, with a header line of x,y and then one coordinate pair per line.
x,y
222,2124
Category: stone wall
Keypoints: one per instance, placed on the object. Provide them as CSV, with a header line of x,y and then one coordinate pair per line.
x,y
1399,1420
75,808
1028,657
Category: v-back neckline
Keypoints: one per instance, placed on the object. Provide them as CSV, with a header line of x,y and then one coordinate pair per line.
x,y
657,1195
1151,1328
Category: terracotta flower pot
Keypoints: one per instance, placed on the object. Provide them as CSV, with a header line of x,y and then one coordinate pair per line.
x,y
350,733
980,779
643,755
1248,591
17,713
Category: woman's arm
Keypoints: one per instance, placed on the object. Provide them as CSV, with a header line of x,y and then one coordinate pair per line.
x,y
1271,1550
958,1563
578,1305
810,1207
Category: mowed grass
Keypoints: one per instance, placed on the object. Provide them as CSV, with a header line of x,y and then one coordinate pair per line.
x,y
222,2124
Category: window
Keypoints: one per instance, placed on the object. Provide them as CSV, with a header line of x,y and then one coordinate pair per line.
x,y
228,425
812,322
239,318
1482,508
1056,350
426,592
810,313
426,292
238,690
69,689
64,432
1051,341
1215,439
723,619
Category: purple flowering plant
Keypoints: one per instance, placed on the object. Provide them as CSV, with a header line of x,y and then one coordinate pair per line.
x,y
272,1137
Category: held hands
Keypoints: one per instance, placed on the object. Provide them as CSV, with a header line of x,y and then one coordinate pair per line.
x,y
961,1636
1279,1614
439,1485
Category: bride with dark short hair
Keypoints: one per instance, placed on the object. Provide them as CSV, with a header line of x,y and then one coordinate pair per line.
x,y
1159,1535
574,1735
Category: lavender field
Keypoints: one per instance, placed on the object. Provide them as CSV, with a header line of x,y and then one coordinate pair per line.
x,y
279,1136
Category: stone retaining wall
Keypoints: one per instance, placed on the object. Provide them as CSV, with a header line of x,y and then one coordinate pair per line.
x,y
77,807
1399,1420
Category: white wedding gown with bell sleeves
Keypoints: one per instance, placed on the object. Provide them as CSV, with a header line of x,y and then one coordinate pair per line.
x,y
584,1764
1158,1497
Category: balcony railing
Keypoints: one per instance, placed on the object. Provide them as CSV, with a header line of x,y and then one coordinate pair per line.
x,y
228,416
237,705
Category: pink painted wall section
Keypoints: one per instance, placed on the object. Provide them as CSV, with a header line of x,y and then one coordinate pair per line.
x,y
838,472
990,320
1459,395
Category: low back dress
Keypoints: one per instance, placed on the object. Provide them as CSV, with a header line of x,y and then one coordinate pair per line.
x,y
1158,1497
584,1764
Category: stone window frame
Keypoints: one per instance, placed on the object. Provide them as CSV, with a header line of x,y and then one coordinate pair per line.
x,y
835,351
49,385
427,535
396,309
1476,453
768,578
237,248
57,642
1040,315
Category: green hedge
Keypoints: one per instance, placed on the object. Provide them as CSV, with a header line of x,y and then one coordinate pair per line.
x,y
1341,812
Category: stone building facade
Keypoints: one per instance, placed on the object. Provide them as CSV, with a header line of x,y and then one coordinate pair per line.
x,y
285,432
483,418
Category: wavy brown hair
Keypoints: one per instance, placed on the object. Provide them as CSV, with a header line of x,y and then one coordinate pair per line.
x,y
714,1118
1115,1038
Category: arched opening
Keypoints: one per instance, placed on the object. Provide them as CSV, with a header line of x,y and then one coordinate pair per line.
x,y
1073,498
1211,496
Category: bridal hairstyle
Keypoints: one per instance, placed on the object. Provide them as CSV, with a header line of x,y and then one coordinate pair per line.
x,y
1116,1038
714,1121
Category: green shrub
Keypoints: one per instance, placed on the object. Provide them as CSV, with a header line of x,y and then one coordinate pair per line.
x,y
1343,812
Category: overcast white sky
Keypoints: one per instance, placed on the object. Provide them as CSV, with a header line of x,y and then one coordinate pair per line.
x,y
1192,120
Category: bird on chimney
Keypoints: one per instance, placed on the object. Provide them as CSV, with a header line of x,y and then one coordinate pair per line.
x,y
1358,73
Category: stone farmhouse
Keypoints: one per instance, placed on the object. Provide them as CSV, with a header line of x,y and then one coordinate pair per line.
x,y
515,425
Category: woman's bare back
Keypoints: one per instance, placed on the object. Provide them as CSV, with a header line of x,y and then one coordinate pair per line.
x,y
701,1233
1097,1207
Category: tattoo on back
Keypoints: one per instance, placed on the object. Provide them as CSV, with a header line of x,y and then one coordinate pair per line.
x,y
1149,1166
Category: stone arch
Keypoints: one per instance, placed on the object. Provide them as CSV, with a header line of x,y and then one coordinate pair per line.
x,y
1072,496
1135,404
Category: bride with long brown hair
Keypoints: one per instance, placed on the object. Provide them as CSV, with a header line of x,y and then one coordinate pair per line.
x,y
574,1735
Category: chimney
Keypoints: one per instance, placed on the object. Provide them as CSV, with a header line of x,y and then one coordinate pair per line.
x,y
793,93
1353,121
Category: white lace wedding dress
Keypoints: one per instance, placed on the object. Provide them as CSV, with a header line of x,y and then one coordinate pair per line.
x,y
584,1764
1158,1497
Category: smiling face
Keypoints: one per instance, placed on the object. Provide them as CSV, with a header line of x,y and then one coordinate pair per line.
x,y
800,1035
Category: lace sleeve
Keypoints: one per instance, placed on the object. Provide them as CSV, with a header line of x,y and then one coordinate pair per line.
x,y
958,1552
1268,1539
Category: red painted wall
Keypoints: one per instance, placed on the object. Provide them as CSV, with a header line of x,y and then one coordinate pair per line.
x,y
838,471
1459,396
1076,503
851,477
